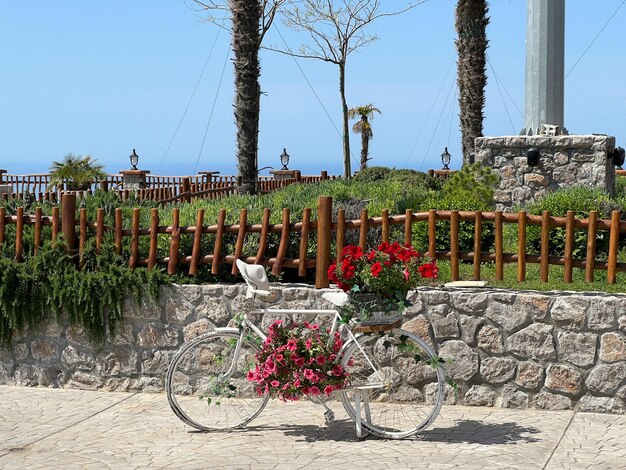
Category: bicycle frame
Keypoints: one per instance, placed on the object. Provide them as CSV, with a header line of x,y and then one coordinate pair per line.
x,y
336,325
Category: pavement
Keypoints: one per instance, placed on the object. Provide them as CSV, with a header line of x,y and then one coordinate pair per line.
x,y
44,428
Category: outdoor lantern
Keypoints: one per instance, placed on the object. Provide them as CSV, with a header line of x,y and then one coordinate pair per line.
x,y
532,156
284,159
445,159
134,159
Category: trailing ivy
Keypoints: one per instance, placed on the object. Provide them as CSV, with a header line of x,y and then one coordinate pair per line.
x,y
49,285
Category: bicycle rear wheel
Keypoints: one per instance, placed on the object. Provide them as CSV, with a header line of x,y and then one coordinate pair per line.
x,y
206,381
400,382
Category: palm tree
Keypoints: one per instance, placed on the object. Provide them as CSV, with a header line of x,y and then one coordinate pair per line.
x,y
364,127
75,172
471,25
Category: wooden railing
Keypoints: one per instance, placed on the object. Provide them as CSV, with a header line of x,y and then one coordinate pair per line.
x,y
164,189
329,234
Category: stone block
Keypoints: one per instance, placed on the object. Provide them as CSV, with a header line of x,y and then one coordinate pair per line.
x,y
77,334
591,404
535,341
564,379
497,370
123,334
444,322
188,293
529,375
552,401
156,363
577,348
463,363
27,375
570,313
511,397
536,306
470,303
449,396
469,326
122,360
20,351
84,381
295,293
601,314
155,335
178,310
146,309
75,359
506,316
490,339
479,395
612,347
196,329
606,379
420,327
44,350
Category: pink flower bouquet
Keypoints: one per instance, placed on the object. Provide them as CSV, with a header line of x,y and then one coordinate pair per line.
x,y
298,361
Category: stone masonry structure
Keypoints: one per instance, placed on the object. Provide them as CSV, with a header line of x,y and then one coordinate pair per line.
x,y
563,161
550,350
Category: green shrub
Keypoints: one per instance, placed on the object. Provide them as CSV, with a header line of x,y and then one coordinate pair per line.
x,y
470,189
581,200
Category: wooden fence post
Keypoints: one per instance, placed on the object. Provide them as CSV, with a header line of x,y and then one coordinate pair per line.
x,y
186,188
324,226
613,248
68,219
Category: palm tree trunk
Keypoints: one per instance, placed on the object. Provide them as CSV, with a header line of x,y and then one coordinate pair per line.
x,y
365,144
347,171
471,24
246,41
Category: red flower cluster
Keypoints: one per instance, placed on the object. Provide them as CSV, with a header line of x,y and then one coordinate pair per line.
x,y
298,361
387,269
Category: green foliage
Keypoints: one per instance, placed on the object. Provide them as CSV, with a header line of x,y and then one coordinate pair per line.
x,y
470,189
406,176
49,285
76,171
581,200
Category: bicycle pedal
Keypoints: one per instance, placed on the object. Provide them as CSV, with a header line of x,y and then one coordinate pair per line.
x,y
329,416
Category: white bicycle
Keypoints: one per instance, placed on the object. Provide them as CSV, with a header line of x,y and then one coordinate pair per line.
x,y
396,380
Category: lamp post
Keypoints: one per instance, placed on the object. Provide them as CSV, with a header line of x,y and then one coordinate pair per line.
x,y
134,159
284,159
445,159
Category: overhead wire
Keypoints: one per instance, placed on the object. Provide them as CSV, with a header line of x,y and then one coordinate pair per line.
x,y
193,93
502,96
429,112
206,130
445,104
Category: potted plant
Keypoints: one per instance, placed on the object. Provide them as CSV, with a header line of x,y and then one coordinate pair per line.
x,y
75,172
378,281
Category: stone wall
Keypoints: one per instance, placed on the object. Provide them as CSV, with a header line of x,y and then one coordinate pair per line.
x,y
508,349
564,161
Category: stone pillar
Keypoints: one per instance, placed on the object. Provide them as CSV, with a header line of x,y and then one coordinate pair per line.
x,y
207,176
4,188
133,180
545,45
284,174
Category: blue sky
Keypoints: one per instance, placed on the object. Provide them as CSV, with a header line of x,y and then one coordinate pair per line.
x,y
102,78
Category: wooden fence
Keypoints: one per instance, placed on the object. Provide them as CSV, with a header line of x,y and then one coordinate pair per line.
x,y
329,233
208,185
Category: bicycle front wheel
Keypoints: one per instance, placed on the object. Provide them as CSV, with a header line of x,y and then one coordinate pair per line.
x,y
207,384
397,383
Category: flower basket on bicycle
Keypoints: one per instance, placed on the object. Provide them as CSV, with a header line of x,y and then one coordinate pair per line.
x,y
298,361
378,282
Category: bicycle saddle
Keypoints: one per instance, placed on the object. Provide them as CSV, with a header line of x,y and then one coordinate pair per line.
x,y
255,277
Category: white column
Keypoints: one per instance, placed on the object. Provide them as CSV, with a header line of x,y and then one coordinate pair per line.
x,y
545,40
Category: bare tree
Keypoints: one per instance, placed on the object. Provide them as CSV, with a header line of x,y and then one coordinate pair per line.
x,y
250,20
336,28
